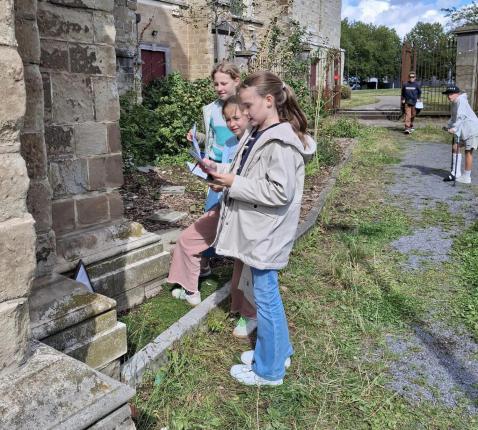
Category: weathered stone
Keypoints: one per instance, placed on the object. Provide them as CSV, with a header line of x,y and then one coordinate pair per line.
x,y
167,215
132,5
152,289
96,173
13,186
173,189
54,391
92,210
68,177
116,206
84,59
63,23
113,370
28,40
103,348
72,98
63,215
114,137
47,97
12,90
59,142
91,138
45,253
106,99
17,257
60,303
104,25
14,330
54,56
39,204
82,332
35,104
7,26
34,153
26,9
106,5
114,171
118,420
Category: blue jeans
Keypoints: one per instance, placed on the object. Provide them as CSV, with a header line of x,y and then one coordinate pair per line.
x,y
272,346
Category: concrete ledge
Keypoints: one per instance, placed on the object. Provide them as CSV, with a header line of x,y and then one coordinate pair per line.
x,y
154,355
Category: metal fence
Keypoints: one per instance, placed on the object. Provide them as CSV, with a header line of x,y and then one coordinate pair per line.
x,y
435,68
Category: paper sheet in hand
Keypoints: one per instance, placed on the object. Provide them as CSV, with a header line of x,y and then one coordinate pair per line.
x,y
195,143
196,170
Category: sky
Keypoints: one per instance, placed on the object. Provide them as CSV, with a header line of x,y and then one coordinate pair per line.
x,y
401,15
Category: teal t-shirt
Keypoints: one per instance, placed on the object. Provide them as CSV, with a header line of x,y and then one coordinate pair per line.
x,y
220,133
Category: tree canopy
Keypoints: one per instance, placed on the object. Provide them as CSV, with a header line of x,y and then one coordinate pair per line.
x,y
464,15
370,51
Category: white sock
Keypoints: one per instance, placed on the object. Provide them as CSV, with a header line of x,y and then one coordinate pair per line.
x,y
456,159
467,173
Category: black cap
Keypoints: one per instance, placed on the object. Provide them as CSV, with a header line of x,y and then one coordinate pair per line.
x,y
451,89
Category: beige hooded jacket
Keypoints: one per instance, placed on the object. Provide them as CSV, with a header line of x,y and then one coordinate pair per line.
x,y
260,211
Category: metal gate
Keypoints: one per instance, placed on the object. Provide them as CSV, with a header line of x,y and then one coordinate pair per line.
x,y
435,68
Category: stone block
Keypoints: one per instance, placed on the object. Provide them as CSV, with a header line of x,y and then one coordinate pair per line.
x,y
173,189
47,97
106,99
35,105
92,210
54,391
114,171
102,349
152,289
17,257
96,173
14,184
114,137
63,215
7,25
82,332
116,206
93,59
104,28
28,40
15,333
45,253
62,23
113,370
34,153
54,55
91,138
60,303
12,90
72,98
68,177
26,9
106,5
59,141
167,215
39,204
118,420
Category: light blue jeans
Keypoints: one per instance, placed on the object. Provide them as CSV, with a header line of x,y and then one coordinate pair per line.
x,y
272,346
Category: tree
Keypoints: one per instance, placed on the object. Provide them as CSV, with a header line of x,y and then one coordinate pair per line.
x,y
370,51
427,36
464,15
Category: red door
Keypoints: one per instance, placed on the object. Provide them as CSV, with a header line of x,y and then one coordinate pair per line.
x,y
154,65
313,76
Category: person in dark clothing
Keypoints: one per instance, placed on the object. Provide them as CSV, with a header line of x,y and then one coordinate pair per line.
x,y
411,93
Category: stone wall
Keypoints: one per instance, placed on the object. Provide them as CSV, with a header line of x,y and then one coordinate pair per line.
x,y
81,112
467,62
17,235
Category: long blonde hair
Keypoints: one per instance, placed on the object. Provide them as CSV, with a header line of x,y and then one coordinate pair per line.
x,y
285,99
228,68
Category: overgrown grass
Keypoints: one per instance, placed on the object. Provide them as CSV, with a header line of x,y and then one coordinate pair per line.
x,y
343,291
366,97
430,133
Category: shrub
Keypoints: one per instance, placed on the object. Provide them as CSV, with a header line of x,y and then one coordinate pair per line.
x,y
345,92
343,127
159,126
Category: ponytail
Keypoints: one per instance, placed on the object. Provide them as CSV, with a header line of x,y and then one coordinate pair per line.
x,y
285,100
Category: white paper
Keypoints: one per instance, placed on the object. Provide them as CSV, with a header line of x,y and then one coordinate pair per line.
x,y
196,170
83,278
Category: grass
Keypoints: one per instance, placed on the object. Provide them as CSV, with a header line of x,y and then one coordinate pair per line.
x,y
366,97
430,133
344,291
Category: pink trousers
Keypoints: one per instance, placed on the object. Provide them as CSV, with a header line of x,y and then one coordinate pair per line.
x,y
186,261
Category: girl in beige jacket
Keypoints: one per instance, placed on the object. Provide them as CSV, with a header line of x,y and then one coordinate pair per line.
x,y
260,213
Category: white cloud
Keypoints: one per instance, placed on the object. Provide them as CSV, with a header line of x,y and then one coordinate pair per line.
x,y
400,16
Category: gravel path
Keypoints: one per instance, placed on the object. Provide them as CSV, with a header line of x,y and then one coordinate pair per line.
x,y
434,362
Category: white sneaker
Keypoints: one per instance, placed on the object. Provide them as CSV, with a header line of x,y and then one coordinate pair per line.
x,y
464,179
246,358
245,326
192,299
243,374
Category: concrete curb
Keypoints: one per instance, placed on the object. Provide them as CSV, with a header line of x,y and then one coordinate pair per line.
x,y
154,355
